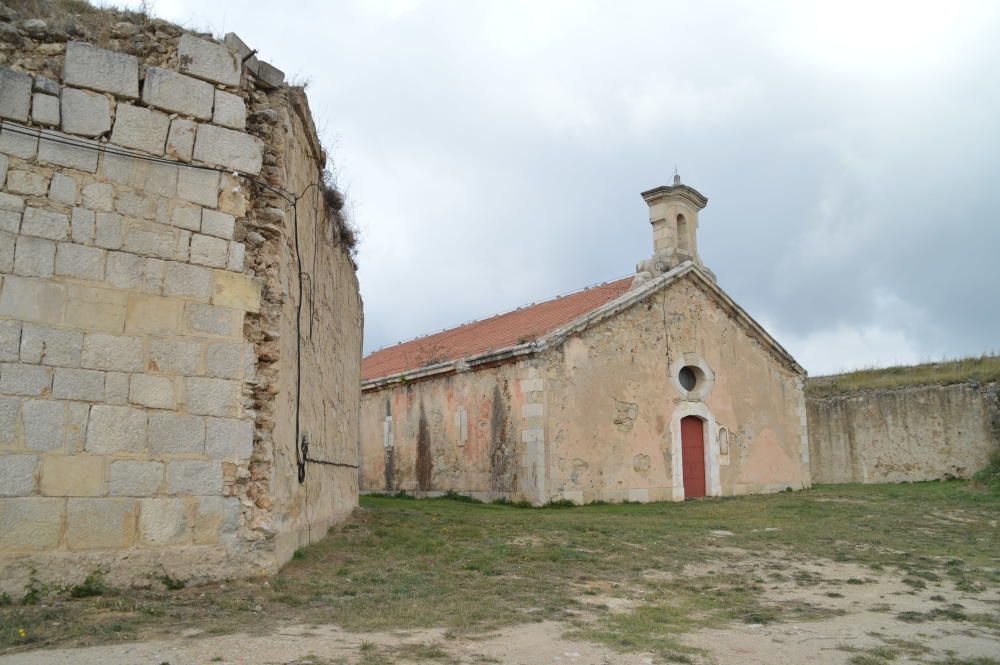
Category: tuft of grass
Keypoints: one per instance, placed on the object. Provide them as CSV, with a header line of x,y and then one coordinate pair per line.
x,y
171,583
979,369
92,585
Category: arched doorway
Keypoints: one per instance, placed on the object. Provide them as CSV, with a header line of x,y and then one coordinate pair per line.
x,y
693,456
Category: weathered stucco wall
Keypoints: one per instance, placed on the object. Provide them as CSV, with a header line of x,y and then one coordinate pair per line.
x,y
907,434
598,417
460,432
147,309
614,407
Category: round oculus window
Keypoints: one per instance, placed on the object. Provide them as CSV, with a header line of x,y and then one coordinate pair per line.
x,y
688,377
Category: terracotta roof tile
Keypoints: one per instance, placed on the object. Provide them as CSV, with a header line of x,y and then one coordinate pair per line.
x,y
498,332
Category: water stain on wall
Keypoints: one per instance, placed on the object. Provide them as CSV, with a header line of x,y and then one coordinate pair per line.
x,y
501,447
425,467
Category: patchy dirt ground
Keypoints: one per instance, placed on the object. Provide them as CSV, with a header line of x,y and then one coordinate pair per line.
x,y
871,619
847,575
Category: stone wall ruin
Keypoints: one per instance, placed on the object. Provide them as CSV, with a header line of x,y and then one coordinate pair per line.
x,y
151,246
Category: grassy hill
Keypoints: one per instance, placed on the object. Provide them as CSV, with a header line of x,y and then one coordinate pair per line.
x,y
982,369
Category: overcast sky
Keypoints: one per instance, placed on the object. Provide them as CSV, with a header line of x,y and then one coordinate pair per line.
x,y
493,154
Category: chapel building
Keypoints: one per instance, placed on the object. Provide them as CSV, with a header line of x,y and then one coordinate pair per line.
x,y
650,388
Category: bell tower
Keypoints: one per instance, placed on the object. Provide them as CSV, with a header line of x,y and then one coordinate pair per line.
x,y
673,213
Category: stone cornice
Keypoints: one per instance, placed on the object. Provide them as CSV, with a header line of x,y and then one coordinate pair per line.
x,y
688,194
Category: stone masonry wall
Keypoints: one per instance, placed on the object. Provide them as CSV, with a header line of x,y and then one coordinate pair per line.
x,y
144,380
903,435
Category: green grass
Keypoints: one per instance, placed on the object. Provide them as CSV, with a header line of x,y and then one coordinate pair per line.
x,y
981,369
472,567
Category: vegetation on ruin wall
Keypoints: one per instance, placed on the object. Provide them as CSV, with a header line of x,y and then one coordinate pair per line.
x,y
468,567
982,369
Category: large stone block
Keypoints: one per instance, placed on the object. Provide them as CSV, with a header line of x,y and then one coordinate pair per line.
x,y
53,150
140,128
10,340
15,99
153,314
232,197
237,256
45,109
180,139
10,409
230,110
44,423
85,113
209,251
213,397
73,475
229,439
95,309
11,202
116,388
209,320
187,281
91,67
7,244
10,221
27,380
208,60
179,356
85,385
116,429
198,186
82,224
27,183
99,197
112,352
269,76
150,240
164,521
77,416
20,143
139,204
225,360
172,433
218,519
155,392
135,478
41,345
100,524
45,224
63,189
80,262
110,231
186,217
219,224
17,474
194,477
30,524
236,291
35,300
229,149
171,91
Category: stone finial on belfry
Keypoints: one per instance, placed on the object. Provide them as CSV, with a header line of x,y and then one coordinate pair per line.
x,y
673,212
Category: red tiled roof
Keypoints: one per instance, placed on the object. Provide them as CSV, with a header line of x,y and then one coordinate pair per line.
x,y
498,332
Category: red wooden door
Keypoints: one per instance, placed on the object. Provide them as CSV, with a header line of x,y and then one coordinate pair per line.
x,y
693,456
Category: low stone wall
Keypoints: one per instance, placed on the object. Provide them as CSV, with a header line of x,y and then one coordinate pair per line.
x,y
903,435
148,294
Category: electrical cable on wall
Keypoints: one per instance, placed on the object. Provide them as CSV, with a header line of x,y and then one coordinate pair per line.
x,y
301,442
